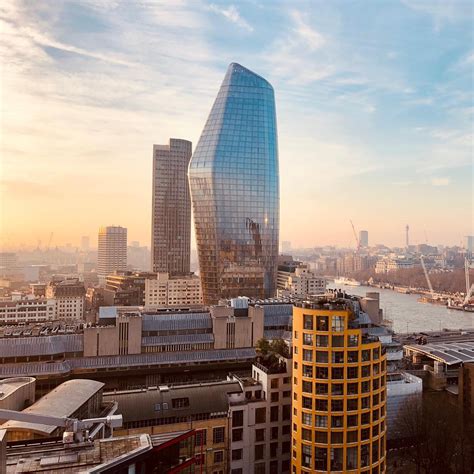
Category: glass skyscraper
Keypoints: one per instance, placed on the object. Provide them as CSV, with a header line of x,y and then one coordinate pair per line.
x,y
234,183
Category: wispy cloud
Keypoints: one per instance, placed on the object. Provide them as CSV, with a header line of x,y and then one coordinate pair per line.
x,y
308,35
231,14
440,181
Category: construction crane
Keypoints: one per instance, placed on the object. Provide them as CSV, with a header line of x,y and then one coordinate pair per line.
x,y
356,237
427,276
74,430
50,240
469,288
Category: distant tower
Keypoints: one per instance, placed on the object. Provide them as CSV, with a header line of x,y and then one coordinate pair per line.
x,y
171,208
364,238
85,243
407,241
112,251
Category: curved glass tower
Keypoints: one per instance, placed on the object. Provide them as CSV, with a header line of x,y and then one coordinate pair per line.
x,y
234,183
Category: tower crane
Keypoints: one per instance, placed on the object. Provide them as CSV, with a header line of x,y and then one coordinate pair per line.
x,y
427,276
355,236
469,288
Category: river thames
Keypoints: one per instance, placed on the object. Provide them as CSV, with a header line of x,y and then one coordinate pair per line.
x,y
408,315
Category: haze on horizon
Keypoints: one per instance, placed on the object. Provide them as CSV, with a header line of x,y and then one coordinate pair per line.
x,y
374,111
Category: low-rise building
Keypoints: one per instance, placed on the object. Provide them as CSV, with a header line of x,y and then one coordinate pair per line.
x,y
20,309
69,294
166,291
390,264
126,288
17,393
303,282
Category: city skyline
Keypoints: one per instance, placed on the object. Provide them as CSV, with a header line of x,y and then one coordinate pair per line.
x,y
373,122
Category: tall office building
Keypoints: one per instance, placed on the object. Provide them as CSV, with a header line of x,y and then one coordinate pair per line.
x,y
171,208
233,177
339,393
112,251
363,238
469,243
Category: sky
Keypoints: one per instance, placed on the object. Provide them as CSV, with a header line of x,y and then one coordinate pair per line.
x,y
374,110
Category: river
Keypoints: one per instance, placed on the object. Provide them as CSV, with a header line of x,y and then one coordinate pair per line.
x,y
408,315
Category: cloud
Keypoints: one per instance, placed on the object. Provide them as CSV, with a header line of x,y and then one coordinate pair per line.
x,y
308,36
440,181
231,14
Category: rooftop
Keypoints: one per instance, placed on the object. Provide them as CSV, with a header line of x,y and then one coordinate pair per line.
x,y
449,353
8,386
63,401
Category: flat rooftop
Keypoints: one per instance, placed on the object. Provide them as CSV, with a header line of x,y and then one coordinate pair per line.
x,y
89,457
450,353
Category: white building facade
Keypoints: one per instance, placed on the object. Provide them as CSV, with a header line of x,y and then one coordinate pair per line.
x,y
27,309
303,282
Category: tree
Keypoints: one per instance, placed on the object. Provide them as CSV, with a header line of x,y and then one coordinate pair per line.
x,y
263,346
279,346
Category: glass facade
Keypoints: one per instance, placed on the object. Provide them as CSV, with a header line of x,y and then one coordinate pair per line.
x,y
234,183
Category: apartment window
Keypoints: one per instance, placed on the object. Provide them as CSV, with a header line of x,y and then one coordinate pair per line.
x,y
218,435
273,450
366,371
376,353
337,421
352,420
365,434
322,356
353,340
273,466
338,341
322,341
351,458
308,321
352,404
352,372
286,412
260,415
337,437
337,405
218,457
274,383
352,436
337,373
338,357
237,434
308,371
274,397
237,418
365,387
338,323
260,435
236,454
322,323
337,389
352,356
307,386
365,355
287,394
375,399
201,437
375,451
285,447
307,403
322,372
364,455
321,405
286,429
259,451
306,434
307,419
296,335
321,388
375,384
321,437
274,432
306,458
307,339
365,418
336,455
321,459
274,414
321,421
307,355
259,468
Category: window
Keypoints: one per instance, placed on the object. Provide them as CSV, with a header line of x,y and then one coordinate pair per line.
x,y
306,458
375,451
307,403
260,415
237,434
321,421
338,357
321,437
321,459
364,455
218,435
259,468
321,388
337,389
287,394
337,405
337,421
365,418
236,454
336,459
375,399
308,321
274,414
365,434
352,420
274,383
259,451
237,418
352,356
321,405
322,323
307,355
285,430
365,387
285,447
376,353
308,371
180,402
337,373
274,396
201,437
352,404
273,450
321,341
351,458
260,435
352,436
366,371
286,412
352,372
353,340
337,323
365,355
338,341
337,437
322,372
307,386
322,356
274,432
218,456
306,434
308,339
307,419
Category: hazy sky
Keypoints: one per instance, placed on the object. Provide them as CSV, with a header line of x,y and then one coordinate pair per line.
x,y
374,109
